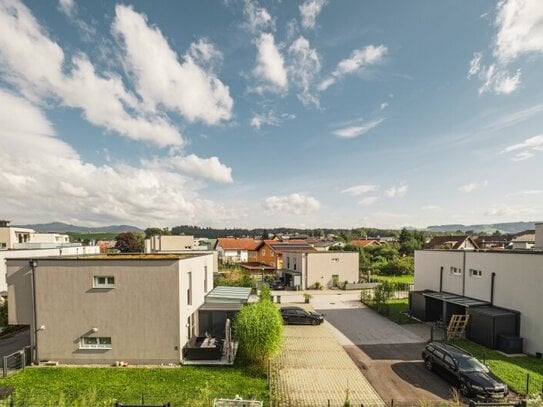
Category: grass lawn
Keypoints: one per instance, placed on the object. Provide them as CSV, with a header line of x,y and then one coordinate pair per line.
x,y
393,310
512,370
395,279
182,386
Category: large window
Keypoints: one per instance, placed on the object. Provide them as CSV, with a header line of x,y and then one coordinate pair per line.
x,y
102,342
104,282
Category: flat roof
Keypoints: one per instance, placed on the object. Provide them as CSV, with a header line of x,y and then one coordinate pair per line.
x,y
224,295
455,299
532,251
127,256
209,306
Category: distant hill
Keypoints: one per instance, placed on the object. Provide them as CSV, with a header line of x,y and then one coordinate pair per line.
x,y
60,227
511,227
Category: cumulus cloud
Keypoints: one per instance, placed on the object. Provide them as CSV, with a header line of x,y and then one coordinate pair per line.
x,y
67,7
520,29
357,61
519,32
472,186
526,149
357,130
297,204
35,64
270,70
210,168
504,210
360,189
367,201
185,87
309,10
35,163
269,118
257,18
397,192
304,69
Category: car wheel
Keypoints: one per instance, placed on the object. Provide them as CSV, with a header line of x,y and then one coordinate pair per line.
x,y
464,390
314,322
429,365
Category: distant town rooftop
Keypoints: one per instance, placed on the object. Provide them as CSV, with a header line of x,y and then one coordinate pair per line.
x,y
122,256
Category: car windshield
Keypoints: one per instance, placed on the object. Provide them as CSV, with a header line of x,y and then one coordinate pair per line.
x,y
470,365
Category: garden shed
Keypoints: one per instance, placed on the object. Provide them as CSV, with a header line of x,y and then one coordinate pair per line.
x,y
431,306
494,327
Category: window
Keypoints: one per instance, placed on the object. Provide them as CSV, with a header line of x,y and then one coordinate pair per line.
x,y
448,360
205,279
104,282
294,261
475,273
263,252
288,262
335,259
456,271
189,290
87,342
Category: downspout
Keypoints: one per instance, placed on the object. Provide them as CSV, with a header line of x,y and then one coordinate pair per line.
x,y
492,278
34,328
464,274
441,279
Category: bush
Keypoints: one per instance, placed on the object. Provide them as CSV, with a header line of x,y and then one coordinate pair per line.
x,y
4,314
259,330
265,293
399,266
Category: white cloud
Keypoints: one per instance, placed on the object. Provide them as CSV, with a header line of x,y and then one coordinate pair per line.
x,y
210,168
526,149
369,200
42,179
397,192
270,119
270,69
503,210
527,192
36,65
360,189
383,106
297,204
357,61
257,18
472,186
475,64
309,10
304,69
520,29
193,91
431,208
358,130
67,7
498,80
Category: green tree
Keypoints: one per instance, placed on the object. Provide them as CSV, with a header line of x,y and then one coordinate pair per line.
x,y
410,240
259,330
129,242
399,266
265,234
4,314
150,232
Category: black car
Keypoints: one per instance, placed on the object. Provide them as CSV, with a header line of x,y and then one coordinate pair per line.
x,y
299,316
465,371
277,285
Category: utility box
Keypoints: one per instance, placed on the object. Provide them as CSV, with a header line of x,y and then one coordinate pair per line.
x,y
510,344
488,323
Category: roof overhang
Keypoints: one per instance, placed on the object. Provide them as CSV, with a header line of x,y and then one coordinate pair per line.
x,y
455,299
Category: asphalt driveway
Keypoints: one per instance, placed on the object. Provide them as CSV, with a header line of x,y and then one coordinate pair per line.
x,y
386,353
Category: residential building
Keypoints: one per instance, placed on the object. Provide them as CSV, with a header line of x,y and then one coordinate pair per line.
x,y
270,252
169,243
360,243
463,280
140,309
523,240
237,250
451,243
326,245
330,269
12,237
538,244
493,242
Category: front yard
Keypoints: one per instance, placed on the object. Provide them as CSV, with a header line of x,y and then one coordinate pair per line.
x,y
187,385
512,370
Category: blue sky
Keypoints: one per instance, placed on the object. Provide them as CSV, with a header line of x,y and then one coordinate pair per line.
x,y
315,113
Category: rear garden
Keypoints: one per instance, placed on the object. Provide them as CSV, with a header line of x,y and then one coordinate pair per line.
x,y
187,385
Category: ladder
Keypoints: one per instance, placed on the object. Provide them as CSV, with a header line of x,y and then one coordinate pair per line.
x,y
457,326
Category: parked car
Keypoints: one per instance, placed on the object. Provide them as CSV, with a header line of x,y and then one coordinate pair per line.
x,y
277,285
299,316
463,370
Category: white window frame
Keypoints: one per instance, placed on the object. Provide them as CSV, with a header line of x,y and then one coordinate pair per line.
x,y
456,271
107,284
335,259
97,345
475,273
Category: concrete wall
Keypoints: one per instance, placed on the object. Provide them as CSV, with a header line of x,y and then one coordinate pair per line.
x,y
145,314
518,283
171,243
18,254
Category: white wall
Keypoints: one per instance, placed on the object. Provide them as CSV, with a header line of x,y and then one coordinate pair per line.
x,y
518,284
232,256
538,236
18,254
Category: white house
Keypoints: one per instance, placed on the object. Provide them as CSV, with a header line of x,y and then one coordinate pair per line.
x,y
510,280
237,250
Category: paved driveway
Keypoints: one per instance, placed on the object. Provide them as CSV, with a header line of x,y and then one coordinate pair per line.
x,y
313,369
387,353
14,342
